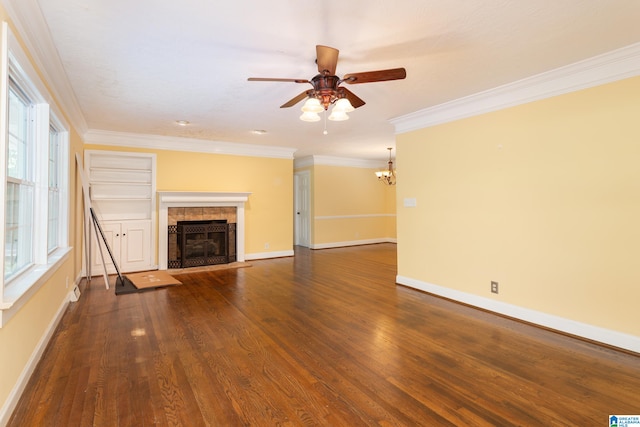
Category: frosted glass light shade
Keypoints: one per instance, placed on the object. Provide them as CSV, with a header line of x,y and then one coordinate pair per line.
x,y
312,105
309,116
344,105
338,116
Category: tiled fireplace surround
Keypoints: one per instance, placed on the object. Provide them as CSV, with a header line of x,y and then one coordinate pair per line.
x,y
190,206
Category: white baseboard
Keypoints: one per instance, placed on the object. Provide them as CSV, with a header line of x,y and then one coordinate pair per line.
x,y
13,398
266,255
353,243
583,330
281,254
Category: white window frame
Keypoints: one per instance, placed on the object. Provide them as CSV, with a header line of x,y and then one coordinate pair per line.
x,y
53,190
62,137
17,291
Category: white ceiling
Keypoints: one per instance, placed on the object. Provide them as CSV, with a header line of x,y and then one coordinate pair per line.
x,y
137,66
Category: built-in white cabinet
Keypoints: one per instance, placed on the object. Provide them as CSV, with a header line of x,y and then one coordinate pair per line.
x,y
122,190
128,241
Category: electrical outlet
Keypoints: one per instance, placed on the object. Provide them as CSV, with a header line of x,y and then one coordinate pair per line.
x,y
494,287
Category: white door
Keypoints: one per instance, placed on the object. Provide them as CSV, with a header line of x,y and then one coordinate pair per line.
x,y
302,204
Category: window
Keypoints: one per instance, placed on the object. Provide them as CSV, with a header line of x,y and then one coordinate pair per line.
x,y
34,168
18,230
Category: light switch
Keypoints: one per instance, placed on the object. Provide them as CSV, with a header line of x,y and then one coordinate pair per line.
x,y
410,202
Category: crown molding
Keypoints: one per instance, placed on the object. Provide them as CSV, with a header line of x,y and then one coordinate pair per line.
x,y
336,161
31,26
606,68
302,162
161,142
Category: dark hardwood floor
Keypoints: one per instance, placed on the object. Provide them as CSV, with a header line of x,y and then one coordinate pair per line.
x,y
322,338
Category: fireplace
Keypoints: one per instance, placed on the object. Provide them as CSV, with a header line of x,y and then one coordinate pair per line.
x,y
178,206
198,243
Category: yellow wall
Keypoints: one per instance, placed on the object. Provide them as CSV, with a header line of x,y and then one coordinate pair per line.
x,y
269,210
349,204
20,336
390,209
543,198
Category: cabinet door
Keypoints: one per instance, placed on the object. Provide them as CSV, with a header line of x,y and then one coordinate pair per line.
x,y
135,246
112,233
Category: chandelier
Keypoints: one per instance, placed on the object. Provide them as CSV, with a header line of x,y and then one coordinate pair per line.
x,y
326,92
387,176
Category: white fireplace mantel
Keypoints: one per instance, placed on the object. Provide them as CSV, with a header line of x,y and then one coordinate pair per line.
x,y
188,199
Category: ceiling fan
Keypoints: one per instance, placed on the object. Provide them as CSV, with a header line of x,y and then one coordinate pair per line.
x,y
326,85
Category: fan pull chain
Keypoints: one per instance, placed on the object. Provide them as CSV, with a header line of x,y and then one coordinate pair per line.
x,y
325,132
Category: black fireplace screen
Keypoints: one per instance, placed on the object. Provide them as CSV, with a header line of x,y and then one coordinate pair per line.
x,y
198,243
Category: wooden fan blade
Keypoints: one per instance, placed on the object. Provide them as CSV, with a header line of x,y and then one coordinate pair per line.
x,y
353,98
268,79
376,76
327,59
295,100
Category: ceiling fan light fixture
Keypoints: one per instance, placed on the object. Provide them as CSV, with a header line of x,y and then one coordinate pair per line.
x,y
309,116
327,90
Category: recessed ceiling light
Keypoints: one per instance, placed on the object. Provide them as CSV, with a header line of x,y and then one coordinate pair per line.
x,y
182,122
259,131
